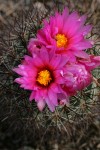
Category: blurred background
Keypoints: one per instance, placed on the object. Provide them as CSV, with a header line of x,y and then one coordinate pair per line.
x,y
18,128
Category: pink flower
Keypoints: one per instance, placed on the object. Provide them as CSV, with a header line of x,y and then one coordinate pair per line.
x,y
34,46
91,63
66,34
58,66
43,76
77,78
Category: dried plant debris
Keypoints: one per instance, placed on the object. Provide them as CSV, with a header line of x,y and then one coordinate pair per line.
x,y
76,126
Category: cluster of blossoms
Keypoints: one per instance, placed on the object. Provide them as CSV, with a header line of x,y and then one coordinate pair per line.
x,y
58,65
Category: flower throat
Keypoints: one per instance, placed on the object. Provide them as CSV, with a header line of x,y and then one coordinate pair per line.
x,y
44,77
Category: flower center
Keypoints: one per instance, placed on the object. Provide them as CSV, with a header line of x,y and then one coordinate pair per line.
x,y
44,77
61,40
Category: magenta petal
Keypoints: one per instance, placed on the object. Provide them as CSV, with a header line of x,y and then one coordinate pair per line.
x,y
95,60
60,80
65,14
50,105
86,29
70,22
75,39
45,22
63,61
55,61
44,55
59,22
78,24
82,19
28,59
19,80
41,104
42,37
31,44
55,88
81,54
85,44
37,95
53,97
38,62
91,63
32,96
18,70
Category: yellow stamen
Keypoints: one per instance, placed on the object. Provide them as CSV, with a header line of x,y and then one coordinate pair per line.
x,y
61,40
44,77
